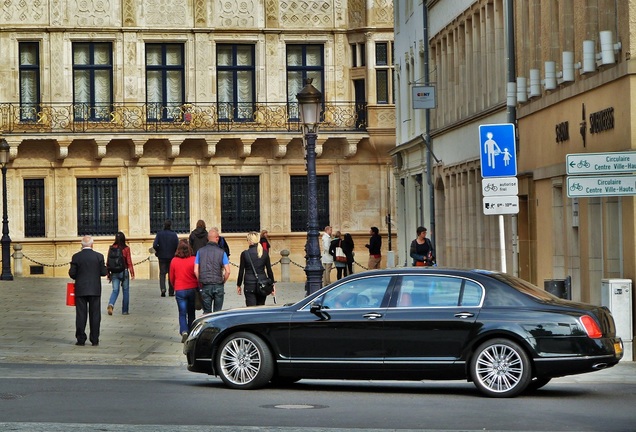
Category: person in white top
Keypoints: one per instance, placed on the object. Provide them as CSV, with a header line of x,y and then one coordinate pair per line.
x,y
327,259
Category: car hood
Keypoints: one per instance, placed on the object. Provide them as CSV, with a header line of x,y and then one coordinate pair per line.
x,y
239,312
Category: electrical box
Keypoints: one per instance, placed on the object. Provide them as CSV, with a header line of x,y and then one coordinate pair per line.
x,y
616,294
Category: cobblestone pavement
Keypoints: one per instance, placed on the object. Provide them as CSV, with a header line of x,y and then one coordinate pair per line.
x,y
36,326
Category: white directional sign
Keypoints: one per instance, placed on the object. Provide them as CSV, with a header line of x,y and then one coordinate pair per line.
x,y
587,186
498,150
500,205
499,186
601,163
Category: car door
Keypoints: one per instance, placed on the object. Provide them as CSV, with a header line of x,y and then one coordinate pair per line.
x,y
343,335
428,322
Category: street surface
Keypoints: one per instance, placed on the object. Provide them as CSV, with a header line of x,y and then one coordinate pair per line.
x,y
146,398
136,380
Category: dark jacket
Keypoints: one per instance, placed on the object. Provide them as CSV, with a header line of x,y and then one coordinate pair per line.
x,y
211,264
375,244
347,248
198,238
422,252
165,244
224,245
262,265
87,268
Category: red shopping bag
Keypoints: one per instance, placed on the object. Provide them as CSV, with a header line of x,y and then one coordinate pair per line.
x,y
70,294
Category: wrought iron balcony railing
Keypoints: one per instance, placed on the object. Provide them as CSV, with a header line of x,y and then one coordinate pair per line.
x,y
61,118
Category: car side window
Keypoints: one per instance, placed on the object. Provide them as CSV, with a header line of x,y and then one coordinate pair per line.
x,y
437,291
357,294
472,294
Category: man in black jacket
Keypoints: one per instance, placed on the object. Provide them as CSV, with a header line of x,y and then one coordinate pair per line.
x,y
165,246
375,247
87,268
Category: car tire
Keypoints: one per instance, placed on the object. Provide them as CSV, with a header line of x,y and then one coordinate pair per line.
x,y
500,368
244,361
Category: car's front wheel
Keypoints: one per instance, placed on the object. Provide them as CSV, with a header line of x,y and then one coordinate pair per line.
x,y
244,361
500,368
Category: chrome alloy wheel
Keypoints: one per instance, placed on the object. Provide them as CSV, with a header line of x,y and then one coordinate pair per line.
x,y
240,361
501,368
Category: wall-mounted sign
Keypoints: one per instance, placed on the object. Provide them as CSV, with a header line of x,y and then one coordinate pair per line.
x,y
423,97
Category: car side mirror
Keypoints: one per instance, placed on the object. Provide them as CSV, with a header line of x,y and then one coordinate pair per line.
x,y
315,307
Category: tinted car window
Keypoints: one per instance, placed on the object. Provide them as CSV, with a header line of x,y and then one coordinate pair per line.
x,y
359,293
471,295
432,291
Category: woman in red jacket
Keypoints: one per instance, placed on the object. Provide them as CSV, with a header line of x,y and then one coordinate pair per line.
x,y
120,272
185,284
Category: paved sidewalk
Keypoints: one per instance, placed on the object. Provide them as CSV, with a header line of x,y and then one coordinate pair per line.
x,y
36,326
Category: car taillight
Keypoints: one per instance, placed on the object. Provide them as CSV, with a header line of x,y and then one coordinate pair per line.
x,y
591,327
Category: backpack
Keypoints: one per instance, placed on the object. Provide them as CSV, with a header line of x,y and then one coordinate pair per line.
x,y
115,262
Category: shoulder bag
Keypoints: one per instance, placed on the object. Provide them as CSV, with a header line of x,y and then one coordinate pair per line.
x,y
264,286
340,255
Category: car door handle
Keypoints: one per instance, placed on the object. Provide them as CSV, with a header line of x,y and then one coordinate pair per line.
x,y
464,315
372,315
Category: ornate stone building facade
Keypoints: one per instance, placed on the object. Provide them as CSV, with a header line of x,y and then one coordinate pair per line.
x,y
121,114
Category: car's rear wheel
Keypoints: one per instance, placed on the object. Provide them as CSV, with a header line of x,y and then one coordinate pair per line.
x,y
244,361
500,368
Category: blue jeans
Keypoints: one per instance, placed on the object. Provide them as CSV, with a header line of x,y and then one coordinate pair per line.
x,y
124,280
212,293
185,302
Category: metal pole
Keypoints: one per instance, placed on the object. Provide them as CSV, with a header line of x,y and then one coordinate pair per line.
x,y
511,113
6,240
314,268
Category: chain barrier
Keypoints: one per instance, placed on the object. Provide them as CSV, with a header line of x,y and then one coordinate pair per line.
x,y
69,263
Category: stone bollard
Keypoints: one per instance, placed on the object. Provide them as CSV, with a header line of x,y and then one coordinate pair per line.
x,y
154,265
284,265
17,259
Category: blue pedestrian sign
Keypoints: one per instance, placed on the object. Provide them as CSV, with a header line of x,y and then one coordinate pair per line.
x,y
498,150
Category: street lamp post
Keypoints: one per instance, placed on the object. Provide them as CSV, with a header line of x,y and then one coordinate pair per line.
x,y
310,108
6,240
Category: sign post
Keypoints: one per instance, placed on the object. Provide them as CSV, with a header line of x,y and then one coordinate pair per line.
x,y
498,154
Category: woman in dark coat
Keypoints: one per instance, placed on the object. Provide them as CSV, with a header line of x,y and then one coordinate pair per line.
x,y
263,267
347,247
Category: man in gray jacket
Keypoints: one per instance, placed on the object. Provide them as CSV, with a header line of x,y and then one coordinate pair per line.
x,y
212,267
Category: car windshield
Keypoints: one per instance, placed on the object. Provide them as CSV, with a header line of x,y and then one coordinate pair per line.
x,y
524,286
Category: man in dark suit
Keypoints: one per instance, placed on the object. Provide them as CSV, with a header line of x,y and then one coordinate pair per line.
x,y
87,268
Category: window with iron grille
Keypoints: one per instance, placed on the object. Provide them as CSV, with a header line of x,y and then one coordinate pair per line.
x,y
170,199
97,206
165,85
29,81
240,204
92,80
34,222
298,188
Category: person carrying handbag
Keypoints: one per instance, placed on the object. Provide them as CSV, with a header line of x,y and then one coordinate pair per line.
x,y
422,250
254,263
341,265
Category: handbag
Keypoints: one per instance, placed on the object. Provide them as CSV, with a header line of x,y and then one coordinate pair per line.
x,y
265,286
340,255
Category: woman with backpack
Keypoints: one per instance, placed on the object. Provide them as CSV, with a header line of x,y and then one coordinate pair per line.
x,y
120,271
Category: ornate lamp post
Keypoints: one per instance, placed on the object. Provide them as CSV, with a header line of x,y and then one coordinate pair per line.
x,y
310,109
6,240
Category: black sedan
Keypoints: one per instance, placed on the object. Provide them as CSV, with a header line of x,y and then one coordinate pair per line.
x,y
500,332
